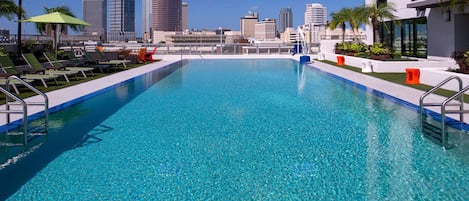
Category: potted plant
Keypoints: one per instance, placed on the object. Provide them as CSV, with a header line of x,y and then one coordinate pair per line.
x,y
379,52
462,59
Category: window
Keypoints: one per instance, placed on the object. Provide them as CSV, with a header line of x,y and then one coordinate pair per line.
x,y
381,2
408,36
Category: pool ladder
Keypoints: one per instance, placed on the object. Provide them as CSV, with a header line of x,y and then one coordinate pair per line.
x,y
439,133
17,105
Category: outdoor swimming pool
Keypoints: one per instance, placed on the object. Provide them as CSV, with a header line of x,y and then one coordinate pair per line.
x,y
237,130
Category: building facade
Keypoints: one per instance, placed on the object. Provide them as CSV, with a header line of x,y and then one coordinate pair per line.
x,y
315,14
424,28
266,29
166,15
146,19
185,16
95,13
285,19
247,25
121,20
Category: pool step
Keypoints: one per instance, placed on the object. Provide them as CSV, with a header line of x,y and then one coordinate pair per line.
x,y
431,131
16,138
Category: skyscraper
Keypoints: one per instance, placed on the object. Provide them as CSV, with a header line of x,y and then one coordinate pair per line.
x,y
121,20
167,15
146,17
315,14
185,16
285,19
248,23
95,13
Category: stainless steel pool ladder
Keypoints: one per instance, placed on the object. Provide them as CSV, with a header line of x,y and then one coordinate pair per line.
x,y
24,107
441,134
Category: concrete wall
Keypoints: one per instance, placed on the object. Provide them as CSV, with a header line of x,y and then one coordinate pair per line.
x,y
461,22
328,45
440,43
433,76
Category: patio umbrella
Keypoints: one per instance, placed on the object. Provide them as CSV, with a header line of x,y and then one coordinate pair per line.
x,y
57,18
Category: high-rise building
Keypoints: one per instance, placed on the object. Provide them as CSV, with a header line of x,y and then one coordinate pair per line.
x,y
247,25
285,19
95,13
185,16
166,15
265,29
121,20
315,14
146,19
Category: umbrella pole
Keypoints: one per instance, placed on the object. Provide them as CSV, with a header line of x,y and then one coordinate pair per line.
x,y
57,39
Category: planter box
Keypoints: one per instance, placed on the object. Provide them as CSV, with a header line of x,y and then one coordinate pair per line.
x,y
390,66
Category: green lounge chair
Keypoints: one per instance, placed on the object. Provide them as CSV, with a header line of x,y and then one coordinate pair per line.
x,y
75,61
34,64
9,68
56,64
90,61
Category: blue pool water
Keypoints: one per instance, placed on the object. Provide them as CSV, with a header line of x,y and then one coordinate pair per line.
x,y
237,130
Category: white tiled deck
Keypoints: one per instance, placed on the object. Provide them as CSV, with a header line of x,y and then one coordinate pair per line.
x,y
65,95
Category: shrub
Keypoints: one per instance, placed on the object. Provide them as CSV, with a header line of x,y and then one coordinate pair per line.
x,y
379,49
3,52
460,56
396,55
462,59
358,47
362,54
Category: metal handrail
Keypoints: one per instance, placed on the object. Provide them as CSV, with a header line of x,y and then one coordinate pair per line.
x,y
436,87
443,105
9,95
35,90
459,94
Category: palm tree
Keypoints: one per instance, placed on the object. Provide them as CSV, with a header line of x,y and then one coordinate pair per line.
x,y
340,19
377,13
357,19
51,29
9,9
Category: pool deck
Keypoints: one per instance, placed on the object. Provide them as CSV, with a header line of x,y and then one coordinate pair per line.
x,y
60,98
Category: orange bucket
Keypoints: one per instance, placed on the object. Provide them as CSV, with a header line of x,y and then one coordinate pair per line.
x,y
340,60
413,76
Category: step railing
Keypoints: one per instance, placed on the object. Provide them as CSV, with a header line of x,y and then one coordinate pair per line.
x,y
12,99
23,111
456,99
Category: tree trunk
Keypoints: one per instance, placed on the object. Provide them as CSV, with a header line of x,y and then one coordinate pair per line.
x,y
375,24
343,32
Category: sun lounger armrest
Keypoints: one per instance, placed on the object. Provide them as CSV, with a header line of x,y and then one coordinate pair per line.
x,y
34,71
55,68
6,75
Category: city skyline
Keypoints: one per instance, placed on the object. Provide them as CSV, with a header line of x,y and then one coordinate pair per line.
x,y
220,13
